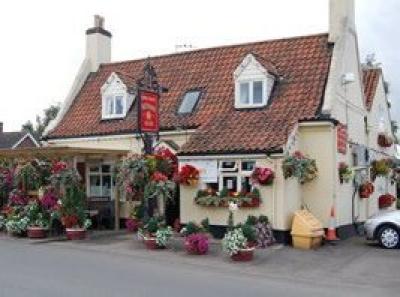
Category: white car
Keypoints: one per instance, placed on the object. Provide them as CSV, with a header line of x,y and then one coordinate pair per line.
x,y
384,227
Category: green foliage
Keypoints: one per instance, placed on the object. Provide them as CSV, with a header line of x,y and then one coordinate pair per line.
x,y
249,232
42,122
37,216
299,166
251,220
152,225
163,235
205,223
263,219
28,175
74,204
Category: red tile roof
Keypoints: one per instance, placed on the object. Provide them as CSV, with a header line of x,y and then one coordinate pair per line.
x,y
302,62
371,78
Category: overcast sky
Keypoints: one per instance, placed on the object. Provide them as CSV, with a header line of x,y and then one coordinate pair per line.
x,y
43,40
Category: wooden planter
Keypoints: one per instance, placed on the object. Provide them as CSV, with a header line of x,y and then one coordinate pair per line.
x,y
243,255
36,232
75,233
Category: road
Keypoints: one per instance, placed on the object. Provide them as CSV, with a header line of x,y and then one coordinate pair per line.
x,y
62,270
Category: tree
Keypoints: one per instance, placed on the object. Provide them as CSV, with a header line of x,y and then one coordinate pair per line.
x,y
42,122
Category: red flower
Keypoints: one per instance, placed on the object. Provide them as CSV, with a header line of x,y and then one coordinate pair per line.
x,y
69,221
58,166
188,173
263,176
386,200
159,177
298,155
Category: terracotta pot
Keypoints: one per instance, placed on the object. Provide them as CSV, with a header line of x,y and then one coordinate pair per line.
x,y
36,232
244,255
75,233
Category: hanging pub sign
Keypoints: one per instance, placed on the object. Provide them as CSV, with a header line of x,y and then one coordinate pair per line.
x,y
149,119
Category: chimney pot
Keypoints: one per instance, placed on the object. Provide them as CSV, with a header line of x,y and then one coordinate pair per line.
x,y
98,21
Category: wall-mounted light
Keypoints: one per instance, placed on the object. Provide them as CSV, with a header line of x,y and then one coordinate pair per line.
x,y
348,78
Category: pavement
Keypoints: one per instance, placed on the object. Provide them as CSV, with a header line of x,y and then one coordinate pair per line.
x,y
119,265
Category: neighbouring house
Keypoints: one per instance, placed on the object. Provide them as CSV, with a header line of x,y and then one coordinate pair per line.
x,y
232,108
13,140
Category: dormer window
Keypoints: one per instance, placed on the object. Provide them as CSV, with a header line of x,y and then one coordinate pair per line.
x,y
253,84
115,106
189,102
116,100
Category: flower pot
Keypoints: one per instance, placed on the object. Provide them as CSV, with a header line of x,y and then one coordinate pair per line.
x,y
36,232
243,255
75,233
151,243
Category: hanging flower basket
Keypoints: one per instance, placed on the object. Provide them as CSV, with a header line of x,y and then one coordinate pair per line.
x,y
300,166
384,140
380,168
345,173
34,232
263,176
244,255
386,201
366,190
188,175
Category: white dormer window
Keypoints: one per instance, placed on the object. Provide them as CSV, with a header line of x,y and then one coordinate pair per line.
x,y
253,84
116,100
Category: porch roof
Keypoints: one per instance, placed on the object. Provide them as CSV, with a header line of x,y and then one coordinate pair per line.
x,y
59,151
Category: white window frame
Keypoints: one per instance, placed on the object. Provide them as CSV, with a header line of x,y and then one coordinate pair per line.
x,y
114,115
240,174
251,104
100,174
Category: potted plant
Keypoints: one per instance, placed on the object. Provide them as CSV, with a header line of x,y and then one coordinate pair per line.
x,y
236,245
345,173
263,176
386,201
155,234
72,213
39,221
188,175
133,223
263,230
196,238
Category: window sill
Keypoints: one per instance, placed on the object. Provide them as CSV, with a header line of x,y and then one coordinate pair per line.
x,y
253,106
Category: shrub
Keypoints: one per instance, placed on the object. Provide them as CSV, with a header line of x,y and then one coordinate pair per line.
x,y
163,235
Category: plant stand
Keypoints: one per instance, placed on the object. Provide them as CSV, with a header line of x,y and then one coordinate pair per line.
x,y
75,233
36,232
244,255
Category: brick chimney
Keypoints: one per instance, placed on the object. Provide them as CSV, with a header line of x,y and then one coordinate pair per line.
x,y
1,127
341,16
98,44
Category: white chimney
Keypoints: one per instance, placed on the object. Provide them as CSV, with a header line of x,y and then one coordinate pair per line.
x,y
98,44
341,16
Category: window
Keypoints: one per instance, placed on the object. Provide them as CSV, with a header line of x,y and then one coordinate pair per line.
x,y
189,102
114,106
100,181
251,93
235,175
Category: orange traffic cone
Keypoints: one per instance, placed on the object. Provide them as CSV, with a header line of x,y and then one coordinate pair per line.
x,y
331,233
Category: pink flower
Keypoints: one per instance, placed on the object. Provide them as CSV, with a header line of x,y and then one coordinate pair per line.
x,y
159,177
197,243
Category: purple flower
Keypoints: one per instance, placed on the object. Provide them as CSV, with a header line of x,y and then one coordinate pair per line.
x,y
49,200
197,243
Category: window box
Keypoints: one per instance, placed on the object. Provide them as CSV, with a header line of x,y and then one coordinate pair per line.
x,y
224,197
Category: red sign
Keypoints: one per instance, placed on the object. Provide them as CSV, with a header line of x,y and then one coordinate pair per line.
x,y
148,112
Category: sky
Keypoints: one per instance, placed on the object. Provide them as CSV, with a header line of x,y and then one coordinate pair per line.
x,y
44,40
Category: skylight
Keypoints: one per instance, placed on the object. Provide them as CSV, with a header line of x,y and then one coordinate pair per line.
x,y
189,102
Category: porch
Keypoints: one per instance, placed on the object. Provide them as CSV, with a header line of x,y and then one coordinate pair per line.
x,y
105,205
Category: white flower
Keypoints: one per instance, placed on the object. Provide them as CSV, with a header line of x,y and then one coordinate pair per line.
x,y
233,206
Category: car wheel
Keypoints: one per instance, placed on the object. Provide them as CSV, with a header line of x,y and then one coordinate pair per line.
x,y
388,237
